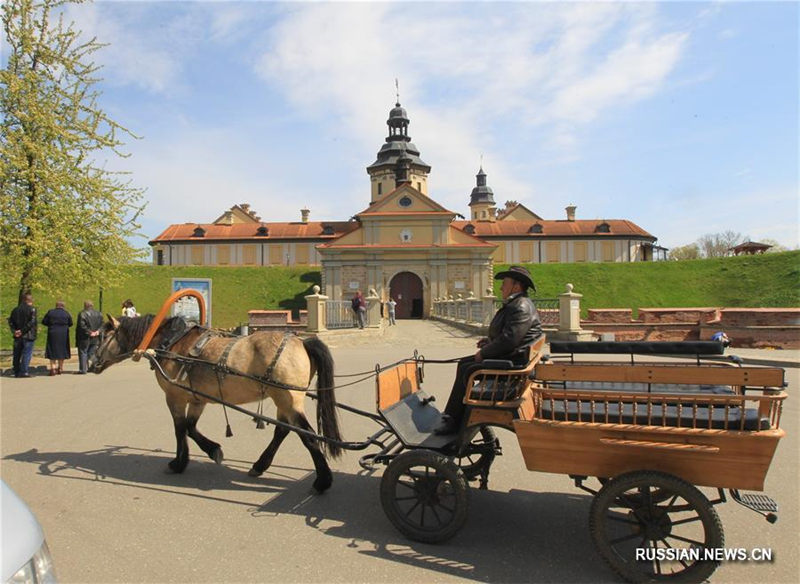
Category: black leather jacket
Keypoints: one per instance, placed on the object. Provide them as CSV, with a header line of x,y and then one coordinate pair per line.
x,y
23,318
514,328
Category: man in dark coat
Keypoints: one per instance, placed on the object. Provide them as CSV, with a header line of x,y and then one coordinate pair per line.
x,y
87,334
24,328
514,328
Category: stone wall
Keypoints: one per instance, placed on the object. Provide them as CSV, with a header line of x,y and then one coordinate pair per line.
x,y
746,327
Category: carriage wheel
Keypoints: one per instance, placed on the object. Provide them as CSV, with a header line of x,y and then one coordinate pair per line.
x,y
478,452
644,538
425,496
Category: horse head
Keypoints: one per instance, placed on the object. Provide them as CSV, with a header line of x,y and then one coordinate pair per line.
x,y
120,338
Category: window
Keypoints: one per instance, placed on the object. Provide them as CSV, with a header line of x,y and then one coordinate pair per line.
x,y
199,232
262,231
301,253
327,230
536,228
553,251
608,251
275,254
526,251
249,254
419,187
380,188
197,255
580,250
159,257
469,228
223,255
405,202
603,228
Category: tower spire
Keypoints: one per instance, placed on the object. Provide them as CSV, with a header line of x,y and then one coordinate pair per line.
x,y
397,90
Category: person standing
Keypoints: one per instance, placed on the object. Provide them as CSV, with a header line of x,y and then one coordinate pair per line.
x,y
128,309
23,325
57,320
87,334
391,305
359,306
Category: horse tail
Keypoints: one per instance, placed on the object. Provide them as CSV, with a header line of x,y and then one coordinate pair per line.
x,y
327,420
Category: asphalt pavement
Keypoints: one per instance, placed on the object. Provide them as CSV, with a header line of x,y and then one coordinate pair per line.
x,y
88,454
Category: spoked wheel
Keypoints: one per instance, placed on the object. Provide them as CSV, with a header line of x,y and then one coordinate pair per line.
x,y
425,496
652,526
478,452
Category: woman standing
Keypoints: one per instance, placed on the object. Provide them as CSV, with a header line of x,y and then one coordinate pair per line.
x,y
57,320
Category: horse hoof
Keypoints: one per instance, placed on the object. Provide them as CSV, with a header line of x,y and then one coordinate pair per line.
x,y
175,467
217,456
254,473
322,484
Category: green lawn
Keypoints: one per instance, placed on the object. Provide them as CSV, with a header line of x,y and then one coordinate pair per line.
x,y
751,281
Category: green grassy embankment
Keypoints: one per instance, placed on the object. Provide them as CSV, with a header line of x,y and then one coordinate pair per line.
x,y
771,280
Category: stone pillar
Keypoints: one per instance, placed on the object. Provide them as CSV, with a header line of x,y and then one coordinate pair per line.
x,y
373,309
569,318
315,303
488,306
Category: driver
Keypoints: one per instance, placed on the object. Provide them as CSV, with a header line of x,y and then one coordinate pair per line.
x,y
513,329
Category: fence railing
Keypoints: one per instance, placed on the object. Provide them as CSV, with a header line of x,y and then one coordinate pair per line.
x,y
339,315
480,312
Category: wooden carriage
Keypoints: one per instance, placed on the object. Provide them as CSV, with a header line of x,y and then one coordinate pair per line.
x,y
648,430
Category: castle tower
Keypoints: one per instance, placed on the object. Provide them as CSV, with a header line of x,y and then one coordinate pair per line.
x,y
398,148
481,201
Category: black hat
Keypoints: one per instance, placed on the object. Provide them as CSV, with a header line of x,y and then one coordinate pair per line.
x,y
519,274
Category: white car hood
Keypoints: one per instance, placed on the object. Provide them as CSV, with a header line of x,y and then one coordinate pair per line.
x,y
21,534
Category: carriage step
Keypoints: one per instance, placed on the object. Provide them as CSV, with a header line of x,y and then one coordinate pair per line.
x,y
758,503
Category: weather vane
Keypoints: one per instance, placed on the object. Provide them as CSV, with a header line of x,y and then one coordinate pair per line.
x,y
397,89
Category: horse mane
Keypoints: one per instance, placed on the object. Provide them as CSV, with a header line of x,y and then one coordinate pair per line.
x,y
131,331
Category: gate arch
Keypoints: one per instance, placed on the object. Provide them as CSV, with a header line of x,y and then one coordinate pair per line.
x,y
407,290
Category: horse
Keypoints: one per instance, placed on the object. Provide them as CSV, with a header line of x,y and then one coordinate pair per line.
x,y
282,364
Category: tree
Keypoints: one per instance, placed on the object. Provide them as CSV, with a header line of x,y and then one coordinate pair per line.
x,y
685,252
717,245
66,220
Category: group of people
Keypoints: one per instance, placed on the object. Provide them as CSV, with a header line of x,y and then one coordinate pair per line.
x,y
359,307
24,327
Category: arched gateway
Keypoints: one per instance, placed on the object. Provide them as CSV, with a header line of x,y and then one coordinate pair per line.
x,y
406,289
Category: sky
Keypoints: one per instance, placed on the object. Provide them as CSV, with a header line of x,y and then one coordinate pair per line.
x,y
680,116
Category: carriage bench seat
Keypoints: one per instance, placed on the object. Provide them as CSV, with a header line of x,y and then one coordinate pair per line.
x,y
639,347
499,382
717,417
641,387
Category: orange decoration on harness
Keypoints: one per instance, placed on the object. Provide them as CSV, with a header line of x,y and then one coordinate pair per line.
x,y
165,308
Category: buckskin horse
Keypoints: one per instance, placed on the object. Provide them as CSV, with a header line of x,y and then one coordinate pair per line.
x,y
237,370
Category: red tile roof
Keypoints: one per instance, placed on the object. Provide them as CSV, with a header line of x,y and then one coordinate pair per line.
x,y
248,231
555,228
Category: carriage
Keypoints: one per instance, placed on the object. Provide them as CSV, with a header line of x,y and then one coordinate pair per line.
x,y
639,434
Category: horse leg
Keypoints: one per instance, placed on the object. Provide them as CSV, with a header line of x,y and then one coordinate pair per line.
x,y
178,411
211,448
266,457
324,475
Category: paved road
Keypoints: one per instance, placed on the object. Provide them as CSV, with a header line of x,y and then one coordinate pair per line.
x,y
88,453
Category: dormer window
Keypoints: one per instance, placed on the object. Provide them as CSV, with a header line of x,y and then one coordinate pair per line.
x,y
536,228
262,231
327,230
469,228
199,232
603,228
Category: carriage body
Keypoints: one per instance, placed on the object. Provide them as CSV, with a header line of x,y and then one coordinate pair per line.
x,y
652,431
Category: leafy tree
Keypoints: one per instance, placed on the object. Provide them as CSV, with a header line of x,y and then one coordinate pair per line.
x,y
776,247
66,220
685,252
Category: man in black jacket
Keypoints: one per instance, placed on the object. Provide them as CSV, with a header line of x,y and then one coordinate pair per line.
x,y
87,334
24,328
514,328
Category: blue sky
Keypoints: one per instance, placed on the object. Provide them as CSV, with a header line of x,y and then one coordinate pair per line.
x,y
682,117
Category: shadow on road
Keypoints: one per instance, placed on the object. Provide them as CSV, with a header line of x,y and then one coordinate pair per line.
x,y
146,469
555,547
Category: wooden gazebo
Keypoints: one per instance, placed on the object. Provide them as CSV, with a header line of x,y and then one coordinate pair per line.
x,y
750,248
